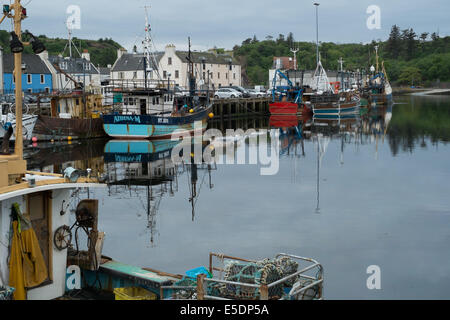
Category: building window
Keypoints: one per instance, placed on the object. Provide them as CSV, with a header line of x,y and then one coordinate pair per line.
x,y
121,75
30,90
47,90
234,76
170,61
135,75
29,79
42,79
226,75
77,102
204,76
177,74
218,75
204,66
63,65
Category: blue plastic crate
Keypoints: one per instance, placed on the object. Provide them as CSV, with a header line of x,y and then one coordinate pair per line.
x,y
195,272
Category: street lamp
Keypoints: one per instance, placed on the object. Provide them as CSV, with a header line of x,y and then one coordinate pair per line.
x,y
317,29
37,45
15,44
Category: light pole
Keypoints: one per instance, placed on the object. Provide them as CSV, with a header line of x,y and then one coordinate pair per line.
x,y
168,81
317,30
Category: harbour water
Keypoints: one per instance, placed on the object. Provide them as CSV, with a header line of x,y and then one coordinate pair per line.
x,y
377,195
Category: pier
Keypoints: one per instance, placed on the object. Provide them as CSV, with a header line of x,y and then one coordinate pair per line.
x,y
228,108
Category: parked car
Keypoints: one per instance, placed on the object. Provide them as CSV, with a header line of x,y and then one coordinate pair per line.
x,y
181,92
226,93
245,92
255,93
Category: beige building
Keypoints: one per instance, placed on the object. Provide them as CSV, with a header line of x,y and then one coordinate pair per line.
x,y
217,70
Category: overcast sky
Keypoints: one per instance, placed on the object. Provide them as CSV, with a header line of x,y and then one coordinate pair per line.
x,y
226,23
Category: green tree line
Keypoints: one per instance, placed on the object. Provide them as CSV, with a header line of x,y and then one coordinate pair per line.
x,y
410,59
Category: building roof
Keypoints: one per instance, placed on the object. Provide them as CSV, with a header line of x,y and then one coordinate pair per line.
x,y
105,71
74,65
33,63
209,57
133,62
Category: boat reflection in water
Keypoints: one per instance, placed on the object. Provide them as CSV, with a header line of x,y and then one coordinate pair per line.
x,y
350,129
145,168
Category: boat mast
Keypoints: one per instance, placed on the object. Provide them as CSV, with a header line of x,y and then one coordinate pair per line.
x,y
147,46
376,52
191,72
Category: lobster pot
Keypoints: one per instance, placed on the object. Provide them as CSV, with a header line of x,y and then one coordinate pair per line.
x,y
6,293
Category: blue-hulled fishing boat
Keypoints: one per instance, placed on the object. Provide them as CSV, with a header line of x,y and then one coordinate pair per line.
x,y
155,112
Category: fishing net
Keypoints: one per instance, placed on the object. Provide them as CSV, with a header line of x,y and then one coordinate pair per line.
x,y
183,293
263,272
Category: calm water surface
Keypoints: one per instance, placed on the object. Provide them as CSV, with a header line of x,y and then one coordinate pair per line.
x,y
374,192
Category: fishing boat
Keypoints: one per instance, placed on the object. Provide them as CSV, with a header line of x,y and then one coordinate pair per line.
x,y
378,90
286,98
34,207
153,111
326,101
7,118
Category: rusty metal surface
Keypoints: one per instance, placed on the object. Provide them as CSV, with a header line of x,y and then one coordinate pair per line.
x,y
48,128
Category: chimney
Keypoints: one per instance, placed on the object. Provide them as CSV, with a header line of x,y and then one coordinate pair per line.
x,y
170,48
120,52
86,55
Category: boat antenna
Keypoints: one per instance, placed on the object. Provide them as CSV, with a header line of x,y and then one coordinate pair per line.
x,y
294,51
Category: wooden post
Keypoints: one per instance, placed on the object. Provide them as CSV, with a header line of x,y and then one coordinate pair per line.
x,y
264,289
200,287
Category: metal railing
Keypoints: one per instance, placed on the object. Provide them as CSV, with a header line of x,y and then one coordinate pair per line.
x,y
304,286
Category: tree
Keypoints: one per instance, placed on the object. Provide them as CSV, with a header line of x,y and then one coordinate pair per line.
x,y
393,45
290,39
247,41
434,36
408,38
280,38
410,75
269,38
424,36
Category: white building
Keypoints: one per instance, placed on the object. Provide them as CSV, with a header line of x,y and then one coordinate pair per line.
x,y
129,69
81,70
217,70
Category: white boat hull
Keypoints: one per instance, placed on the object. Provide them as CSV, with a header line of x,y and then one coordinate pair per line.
x,y
28,124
